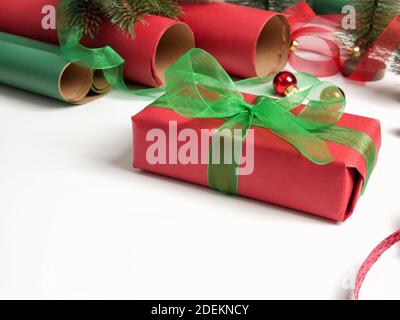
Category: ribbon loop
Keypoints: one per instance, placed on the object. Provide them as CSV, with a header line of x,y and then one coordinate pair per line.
x,y
198,87
313,39
325,107
291,129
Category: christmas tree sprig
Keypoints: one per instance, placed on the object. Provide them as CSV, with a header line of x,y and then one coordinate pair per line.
x,y
86,15
373,17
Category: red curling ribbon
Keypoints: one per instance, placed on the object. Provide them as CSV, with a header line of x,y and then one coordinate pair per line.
x,y
329,62
377,56
314,34
372,259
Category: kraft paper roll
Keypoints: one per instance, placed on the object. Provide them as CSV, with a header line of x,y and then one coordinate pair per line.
x,y
40,68
158,44
246,41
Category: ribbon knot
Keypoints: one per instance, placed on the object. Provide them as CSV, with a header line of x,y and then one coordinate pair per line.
x,y
249,108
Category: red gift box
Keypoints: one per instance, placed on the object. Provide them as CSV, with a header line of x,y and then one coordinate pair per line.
x,y
281,175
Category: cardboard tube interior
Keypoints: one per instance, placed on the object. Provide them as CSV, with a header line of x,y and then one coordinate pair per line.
x,y
100,84
174,43
75,83
273,46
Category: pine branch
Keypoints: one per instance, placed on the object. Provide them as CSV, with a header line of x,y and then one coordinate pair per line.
x,y
373,17
86,15
123,14
166,8
386,11
365,10
83,16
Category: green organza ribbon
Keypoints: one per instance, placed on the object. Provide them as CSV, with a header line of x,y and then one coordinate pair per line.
x,y
198,87
105,58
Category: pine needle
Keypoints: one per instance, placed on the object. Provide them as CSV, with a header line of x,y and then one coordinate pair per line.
x,y
373,17
86,15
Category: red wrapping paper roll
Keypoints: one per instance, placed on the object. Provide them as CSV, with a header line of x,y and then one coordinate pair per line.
x,y
246,41
158,44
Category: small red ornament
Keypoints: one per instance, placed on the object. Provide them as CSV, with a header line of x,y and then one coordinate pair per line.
x,y
285,83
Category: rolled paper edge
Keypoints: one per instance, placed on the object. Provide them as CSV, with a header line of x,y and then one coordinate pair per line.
x,y
100,84
280,51
78,85
74,83
174,42
40,68
99,87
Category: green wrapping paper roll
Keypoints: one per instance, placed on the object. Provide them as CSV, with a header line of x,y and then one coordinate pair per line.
x,y
41,68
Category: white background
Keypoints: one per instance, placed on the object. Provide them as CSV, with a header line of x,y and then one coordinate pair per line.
x,y
76,221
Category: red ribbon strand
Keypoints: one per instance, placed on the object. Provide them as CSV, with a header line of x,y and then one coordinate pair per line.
x,y
380,52
316,35
372,259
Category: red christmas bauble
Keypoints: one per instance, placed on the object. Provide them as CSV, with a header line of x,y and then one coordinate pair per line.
x,y
284,81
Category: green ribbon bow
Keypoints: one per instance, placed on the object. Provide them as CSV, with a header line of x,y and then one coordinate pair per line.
x,y
105,58
198,87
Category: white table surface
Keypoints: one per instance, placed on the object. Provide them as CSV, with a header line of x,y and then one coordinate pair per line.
x,y
76,221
